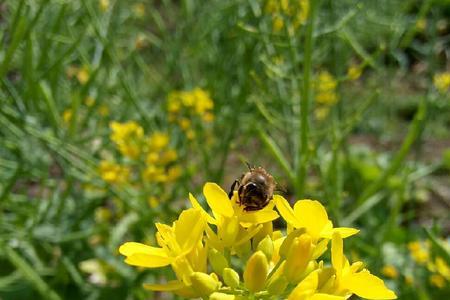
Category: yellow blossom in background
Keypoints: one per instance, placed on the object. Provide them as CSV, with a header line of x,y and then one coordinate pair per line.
x,y
296,11
112,172
437,281
104,5
442,81
67,115
158,141
83,75
326,89
354,72
184,107
389,271
139,10
89,101
419,252
442,268
421,25
152,202
127,137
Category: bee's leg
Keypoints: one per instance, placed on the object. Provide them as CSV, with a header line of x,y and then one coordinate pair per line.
x,y
233,187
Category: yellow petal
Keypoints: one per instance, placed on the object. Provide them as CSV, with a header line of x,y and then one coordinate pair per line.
x,y
189,228
312,216
217,199
367,286
337,254
285,210
164,287
326,297
195,204
246,234
343,231
227,230
259,217
131,248
148,261
306,287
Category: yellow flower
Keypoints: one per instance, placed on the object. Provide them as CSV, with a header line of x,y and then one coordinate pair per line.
x,y
389,271
158,140
152,201
326,89
350,280
312,216
112,172
235,226
419,252
83,75
203,102
442,268
89,101
139,10
104,5
437,281
180,246
421,25
354,72
307,289
67,115
128,137
442,81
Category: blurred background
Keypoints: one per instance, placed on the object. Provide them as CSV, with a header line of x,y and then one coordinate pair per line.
x,y
111,112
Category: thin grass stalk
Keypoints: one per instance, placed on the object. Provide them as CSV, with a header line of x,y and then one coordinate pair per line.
x,y
302,150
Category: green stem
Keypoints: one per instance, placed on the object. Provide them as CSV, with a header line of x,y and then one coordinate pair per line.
x,y
302,151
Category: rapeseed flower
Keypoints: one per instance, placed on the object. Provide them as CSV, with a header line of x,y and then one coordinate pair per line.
x,y
295,11
113,173
326,89
127,137
185,107
442,81
389,271
273,264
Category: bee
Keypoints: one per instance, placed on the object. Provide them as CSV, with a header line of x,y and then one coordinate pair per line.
x,y
255,188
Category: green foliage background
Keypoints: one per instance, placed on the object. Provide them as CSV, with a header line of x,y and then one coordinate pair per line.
x,y
379,160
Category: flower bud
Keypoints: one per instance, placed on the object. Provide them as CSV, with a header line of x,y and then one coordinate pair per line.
x,y
231,278
286,245
298,258
221,296
255,273
266,246
203,283
217,260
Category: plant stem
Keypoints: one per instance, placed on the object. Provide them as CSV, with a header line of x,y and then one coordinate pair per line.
x,y
302,151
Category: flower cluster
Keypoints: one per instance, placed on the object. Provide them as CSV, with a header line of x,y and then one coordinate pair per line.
x,y
145,158
296,11
186,106
437,268
232,253
325,94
